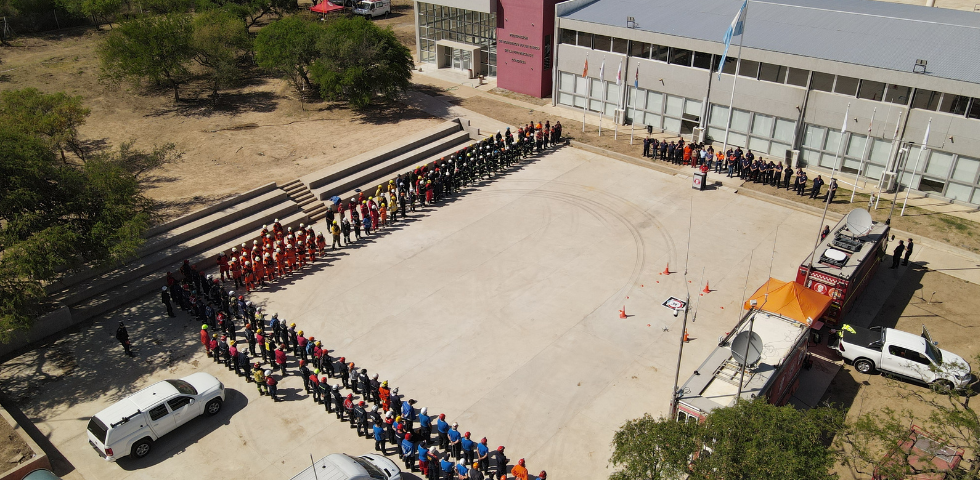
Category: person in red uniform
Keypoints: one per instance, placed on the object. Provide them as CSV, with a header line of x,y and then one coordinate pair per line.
x,y
223,265
206,339
281,360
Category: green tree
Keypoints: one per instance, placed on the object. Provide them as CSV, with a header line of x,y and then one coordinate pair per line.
x,y
54,117
149,49
250,11
288,47
219,41
56,215
100,11
872,440
752,440
360,61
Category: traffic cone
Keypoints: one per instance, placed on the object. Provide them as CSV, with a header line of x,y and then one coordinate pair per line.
x,y
685,336
666,270
706,288
622,313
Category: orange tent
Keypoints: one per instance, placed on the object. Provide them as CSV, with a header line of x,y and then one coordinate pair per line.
x,y
791,300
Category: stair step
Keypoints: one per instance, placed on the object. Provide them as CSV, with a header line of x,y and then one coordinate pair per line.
x,y
316,217
307,202
246,226
154,280
389,168
182,233
290,184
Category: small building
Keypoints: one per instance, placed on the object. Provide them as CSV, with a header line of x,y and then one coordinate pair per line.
x,y
804,63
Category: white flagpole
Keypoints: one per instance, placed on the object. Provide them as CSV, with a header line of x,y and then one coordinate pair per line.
x,y
619,83
588,91
922,147
602,93
738,66
636,91
867,148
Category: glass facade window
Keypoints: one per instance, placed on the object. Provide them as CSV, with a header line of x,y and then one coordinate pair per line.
x,y
601,42
620,45
567,36
661,111
584,40
955,104
748,69
680,56
729,67
437,22
798,77
871,90
702,60
658,52
846,85
926,99
898,94
974,111
823,82
772,73
640,49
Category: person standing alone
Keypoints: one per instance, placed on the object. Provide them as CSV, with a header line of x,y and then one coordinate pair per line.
x,y
123,336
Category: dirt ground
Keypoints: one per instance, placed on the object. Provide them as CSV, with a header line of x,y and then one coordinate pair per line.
x,y
13,450
258,133
947,306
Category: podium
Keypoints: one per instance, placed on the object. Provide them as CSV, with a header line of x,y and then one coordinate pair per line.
x,y
699,180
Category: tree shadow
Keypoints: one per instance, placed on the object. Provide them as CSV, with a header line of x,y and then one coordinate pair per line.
x,y
390,113
228,103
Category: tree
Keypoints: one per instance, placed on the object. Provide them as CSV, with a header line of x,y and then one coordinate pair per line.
x,y
53,117
951,420
360,61
100,11
651,449
250,11
219,41
151,48
751,440
288,47
56,215
136,162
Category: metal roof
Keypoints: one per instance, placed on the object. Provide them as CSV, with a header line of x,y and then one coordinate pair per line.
x,y
863,32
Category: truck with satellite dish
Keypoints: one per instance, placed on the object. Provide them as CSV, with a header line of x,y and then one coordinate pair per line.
x,y
844,262
761,357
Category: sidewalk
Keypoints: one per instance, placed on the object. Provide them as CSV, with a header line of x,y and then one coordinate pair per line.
x,y
456,85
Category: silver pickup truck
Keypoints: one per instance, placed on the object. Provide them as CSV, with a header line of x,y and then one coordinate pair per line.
x,y
903,354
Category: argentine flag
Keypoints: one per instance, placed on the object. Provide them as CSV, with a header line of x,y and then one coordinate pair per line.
x,y
738,23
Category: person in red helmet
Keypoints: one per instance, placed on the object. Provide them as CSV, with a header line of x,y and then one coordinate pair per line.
x,y
500,461
281,360
360,417
519,471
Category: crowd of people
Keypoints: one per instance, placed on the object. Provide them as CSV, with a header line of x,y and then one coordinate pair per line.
x,y
272,348
736,163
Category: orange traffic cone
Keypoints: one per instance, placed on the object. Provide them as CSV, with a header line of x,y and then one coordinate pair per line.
x,y
706,288
622,313
685,336
666,270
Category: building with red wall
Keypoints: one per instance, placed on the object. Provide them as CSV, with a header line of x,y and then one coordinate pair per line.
x,y
508,39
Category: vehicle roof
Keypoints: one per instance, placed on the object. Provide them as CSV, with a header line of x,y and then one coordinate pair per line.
x,y
141,400
905,339
202,381
336,466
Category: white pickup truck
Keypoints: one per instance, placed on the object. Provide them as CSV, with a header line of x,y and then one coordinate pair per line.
x,y
903,354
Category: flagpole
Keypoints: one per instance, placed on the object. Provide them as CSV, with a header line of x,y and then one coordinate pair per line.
x,y
867,148
738,66
826,204
636,91
588,90
922,147
619,83
602,92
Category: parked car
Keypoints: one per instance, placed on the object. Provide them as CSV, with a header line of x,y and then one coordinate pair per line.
x,y
919,452
903,354
372,8
340,466
131,425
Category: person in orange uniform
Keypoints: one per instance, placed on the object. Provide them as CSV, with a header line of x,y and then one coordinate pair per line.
x,y
519,471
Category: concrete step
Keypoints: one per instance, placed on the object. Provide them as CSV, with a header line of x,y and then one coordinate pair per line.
x,y
290,184
189,226
316,217
306,193
319,207
307,201
391,167
319,179
156,279
176,253
295,190
221,205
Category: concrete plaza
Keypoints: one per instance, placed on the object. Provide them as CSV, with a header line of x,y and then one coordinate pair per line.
x,y
498,308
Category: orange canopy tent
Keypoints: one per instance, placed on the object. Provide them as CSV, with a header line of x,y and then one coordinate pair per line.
x,y
325,7
791,300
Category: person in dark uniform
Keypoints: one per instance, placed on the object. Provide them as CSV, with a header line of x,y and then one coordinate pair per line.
x,y
817,183
787,175
165,298
908,252
646,147
777,174
897,254
832,190
123,336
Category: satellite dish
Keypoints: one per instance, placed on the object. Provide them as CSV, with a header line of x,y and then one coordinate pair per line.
x,y
834,254
859,222
750,340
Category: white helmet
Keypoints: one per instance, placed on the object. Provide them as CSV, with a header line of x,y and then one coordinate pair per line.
x,y
268,373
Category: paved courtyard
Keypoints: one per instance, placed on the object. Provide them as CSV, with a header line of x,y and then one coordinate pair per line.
x,y
499,309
